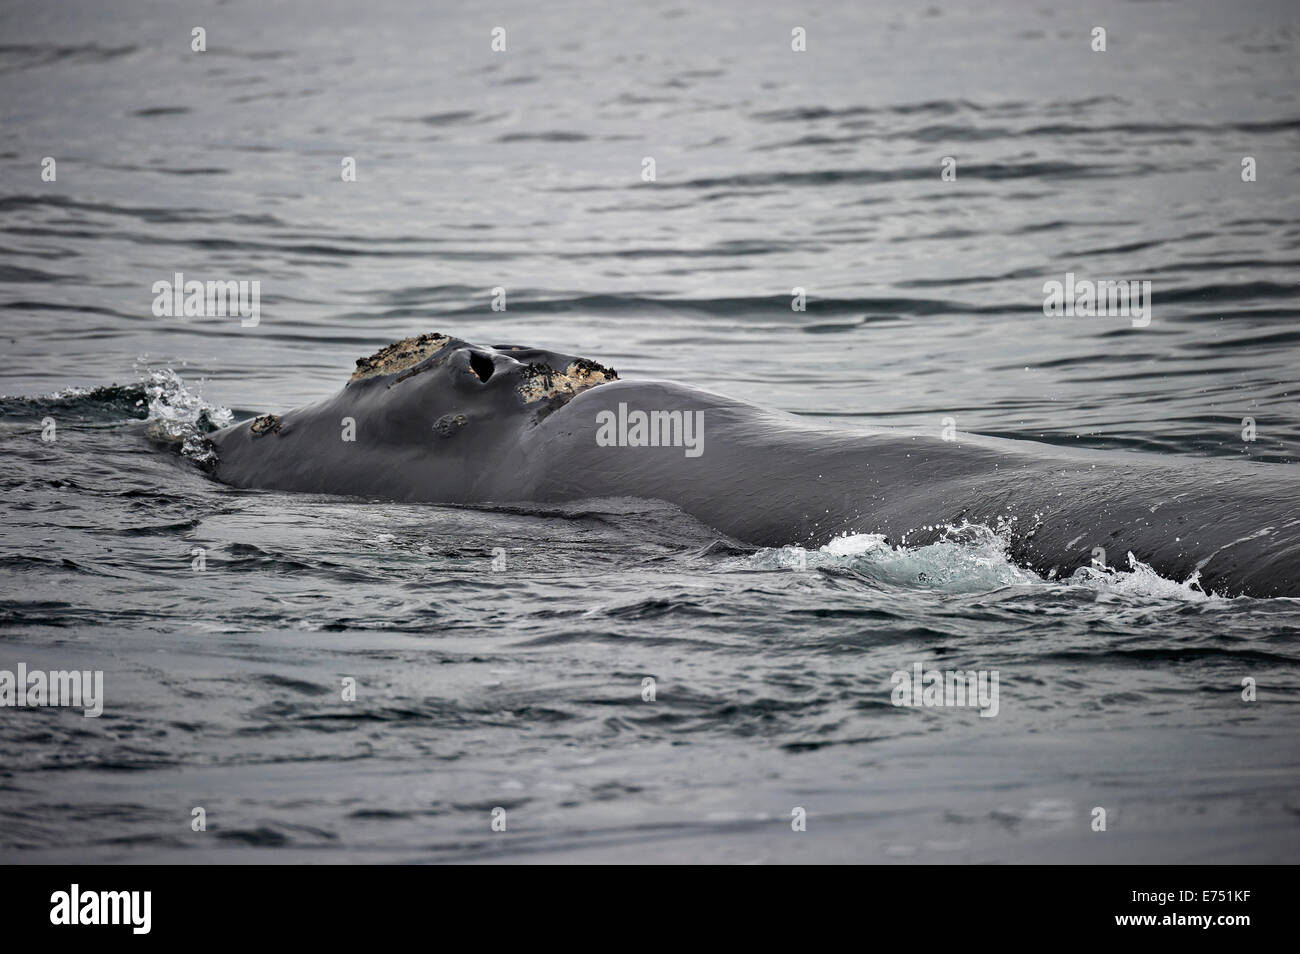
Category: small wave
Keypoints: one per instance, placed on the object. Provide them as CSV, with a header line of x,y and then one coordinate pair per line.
x,y
977,562
1141,580
558,135
1041,169
173,413
17,57
535,301
971,558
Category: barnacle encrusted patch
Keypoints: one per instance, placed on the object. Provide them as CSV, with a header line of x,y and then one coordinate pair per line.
x,y
449,424
266,424
542,381
399,356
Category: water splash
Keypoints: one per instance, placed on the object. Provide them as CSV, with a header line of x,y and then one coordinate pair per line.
x,y
970,558
1140,580
178,415
173,413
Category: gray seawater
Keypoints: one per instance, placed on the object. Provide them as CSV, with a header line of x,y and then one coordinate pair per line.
x,y
521,688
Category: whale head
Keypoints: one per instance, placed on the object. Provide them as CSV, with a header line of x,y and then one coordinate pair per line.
x,y
431,415
448,383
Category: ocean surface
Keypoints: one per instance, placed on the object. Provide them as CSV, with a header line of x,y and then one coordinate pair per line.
x,y
522,687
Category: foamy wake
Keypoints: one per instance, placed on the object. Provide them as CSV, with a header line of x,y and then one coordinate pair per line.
x,y
969,559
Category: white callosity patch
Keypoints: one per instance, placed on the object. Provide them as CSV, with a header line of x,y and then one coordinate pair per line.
x,y
578,376
399,356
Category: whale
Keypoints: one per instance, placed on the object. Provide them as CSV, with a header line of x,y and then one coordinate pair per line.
x,y
436,419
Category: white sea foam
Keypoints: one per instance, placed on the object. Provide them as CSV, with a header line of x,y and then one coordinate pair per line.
x,y
177,413
968,559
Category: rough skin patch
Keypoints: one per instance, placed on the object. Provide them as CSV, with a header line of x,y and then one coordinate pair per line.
x,y
266,424
449,424
543,381
399,356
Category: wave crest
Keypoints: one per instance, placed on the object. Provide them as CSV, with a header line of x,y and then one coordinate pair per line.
x,y
970,558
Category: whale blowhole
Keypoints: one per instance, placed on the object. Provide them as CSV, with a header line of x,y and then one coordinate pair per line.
x,y
482,366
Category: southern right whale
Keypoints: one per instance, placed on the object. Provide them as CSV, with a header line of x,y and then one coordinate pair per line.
x,y
436,419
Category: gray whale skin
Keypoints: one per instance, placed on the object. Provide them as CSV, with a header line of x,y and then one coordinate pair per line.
x,y
437,419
